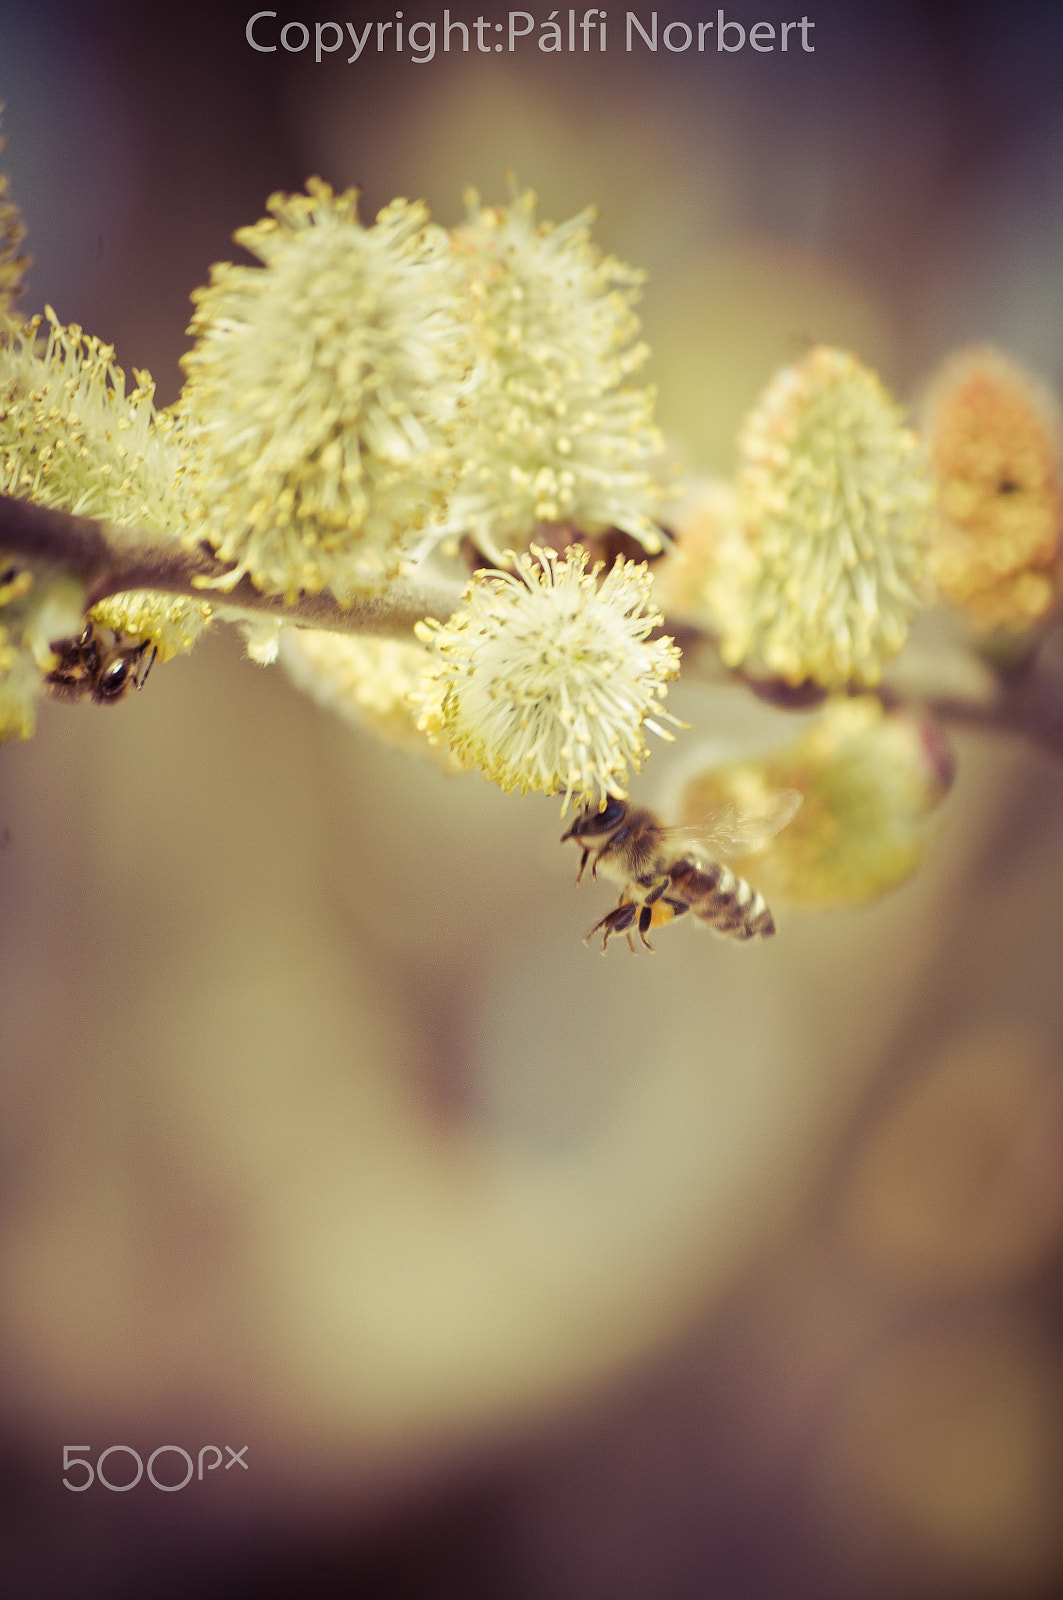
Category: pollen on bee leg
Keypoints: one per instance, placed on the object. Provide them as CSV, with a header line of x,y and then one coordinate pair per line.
x,y
659,913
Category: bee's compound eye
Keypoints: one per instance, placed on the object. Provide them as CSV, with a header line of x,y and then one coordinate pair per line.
x,y
113,680
592,823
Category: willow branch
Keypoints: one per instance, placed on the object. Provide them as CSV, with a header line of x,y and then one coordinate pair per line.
x,y
955,684
107,564
1027,701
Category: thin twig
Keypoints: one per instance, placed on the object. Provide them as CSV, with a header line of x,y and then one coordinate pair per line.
x,y
1027,701
107,565
1030,705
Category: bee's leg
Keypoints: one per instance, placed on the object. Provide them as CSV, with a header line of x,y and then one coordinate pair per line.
x,y
583,863
598,854
655,887
645,918
613,840
619,920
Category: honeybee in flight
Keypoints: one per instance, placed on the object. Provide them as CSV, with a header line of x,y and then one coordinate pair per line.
x,y
664,872
101,663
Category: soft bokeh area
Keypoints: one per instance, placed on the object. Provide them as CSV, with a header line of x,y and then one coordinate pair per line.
x,y
723,1273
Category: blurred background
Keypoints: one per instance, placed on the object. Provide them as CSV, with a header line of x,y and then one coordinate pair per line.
x,y
717,1275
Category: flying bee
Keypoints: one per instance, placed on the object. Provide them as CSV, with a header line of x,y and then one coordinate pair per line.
x,y
664,872
100,663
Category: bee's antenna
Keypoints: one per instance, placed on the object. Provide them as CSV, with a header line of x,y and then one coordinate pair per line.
x,y
142,680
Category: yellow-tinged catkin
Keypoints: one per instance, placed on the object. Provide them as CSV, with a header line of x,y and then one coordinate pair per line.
x,y
834,498
994,437
170,623
555,432
370,682
869,778
20,687
13,263
709,558
73,439
321,394
35,609
545,678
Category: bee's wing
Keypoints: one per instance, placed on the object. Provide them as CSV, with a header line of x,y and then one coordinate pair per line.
x,y
733,830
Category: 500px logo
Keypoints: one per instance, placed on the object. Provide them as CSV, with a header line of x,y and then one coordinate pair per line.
x,y
94,1474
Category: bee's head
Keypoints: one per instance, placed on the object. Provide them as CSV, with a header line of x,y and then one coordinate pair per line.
x,y
128,670
592,823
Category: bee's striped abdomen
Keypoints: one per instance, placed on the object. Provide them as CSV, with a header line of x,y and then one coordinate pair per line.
x,y
718,896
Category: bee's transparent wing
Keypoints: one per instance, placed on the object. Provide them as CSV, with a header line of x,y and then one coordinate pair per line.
x,y
733,830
